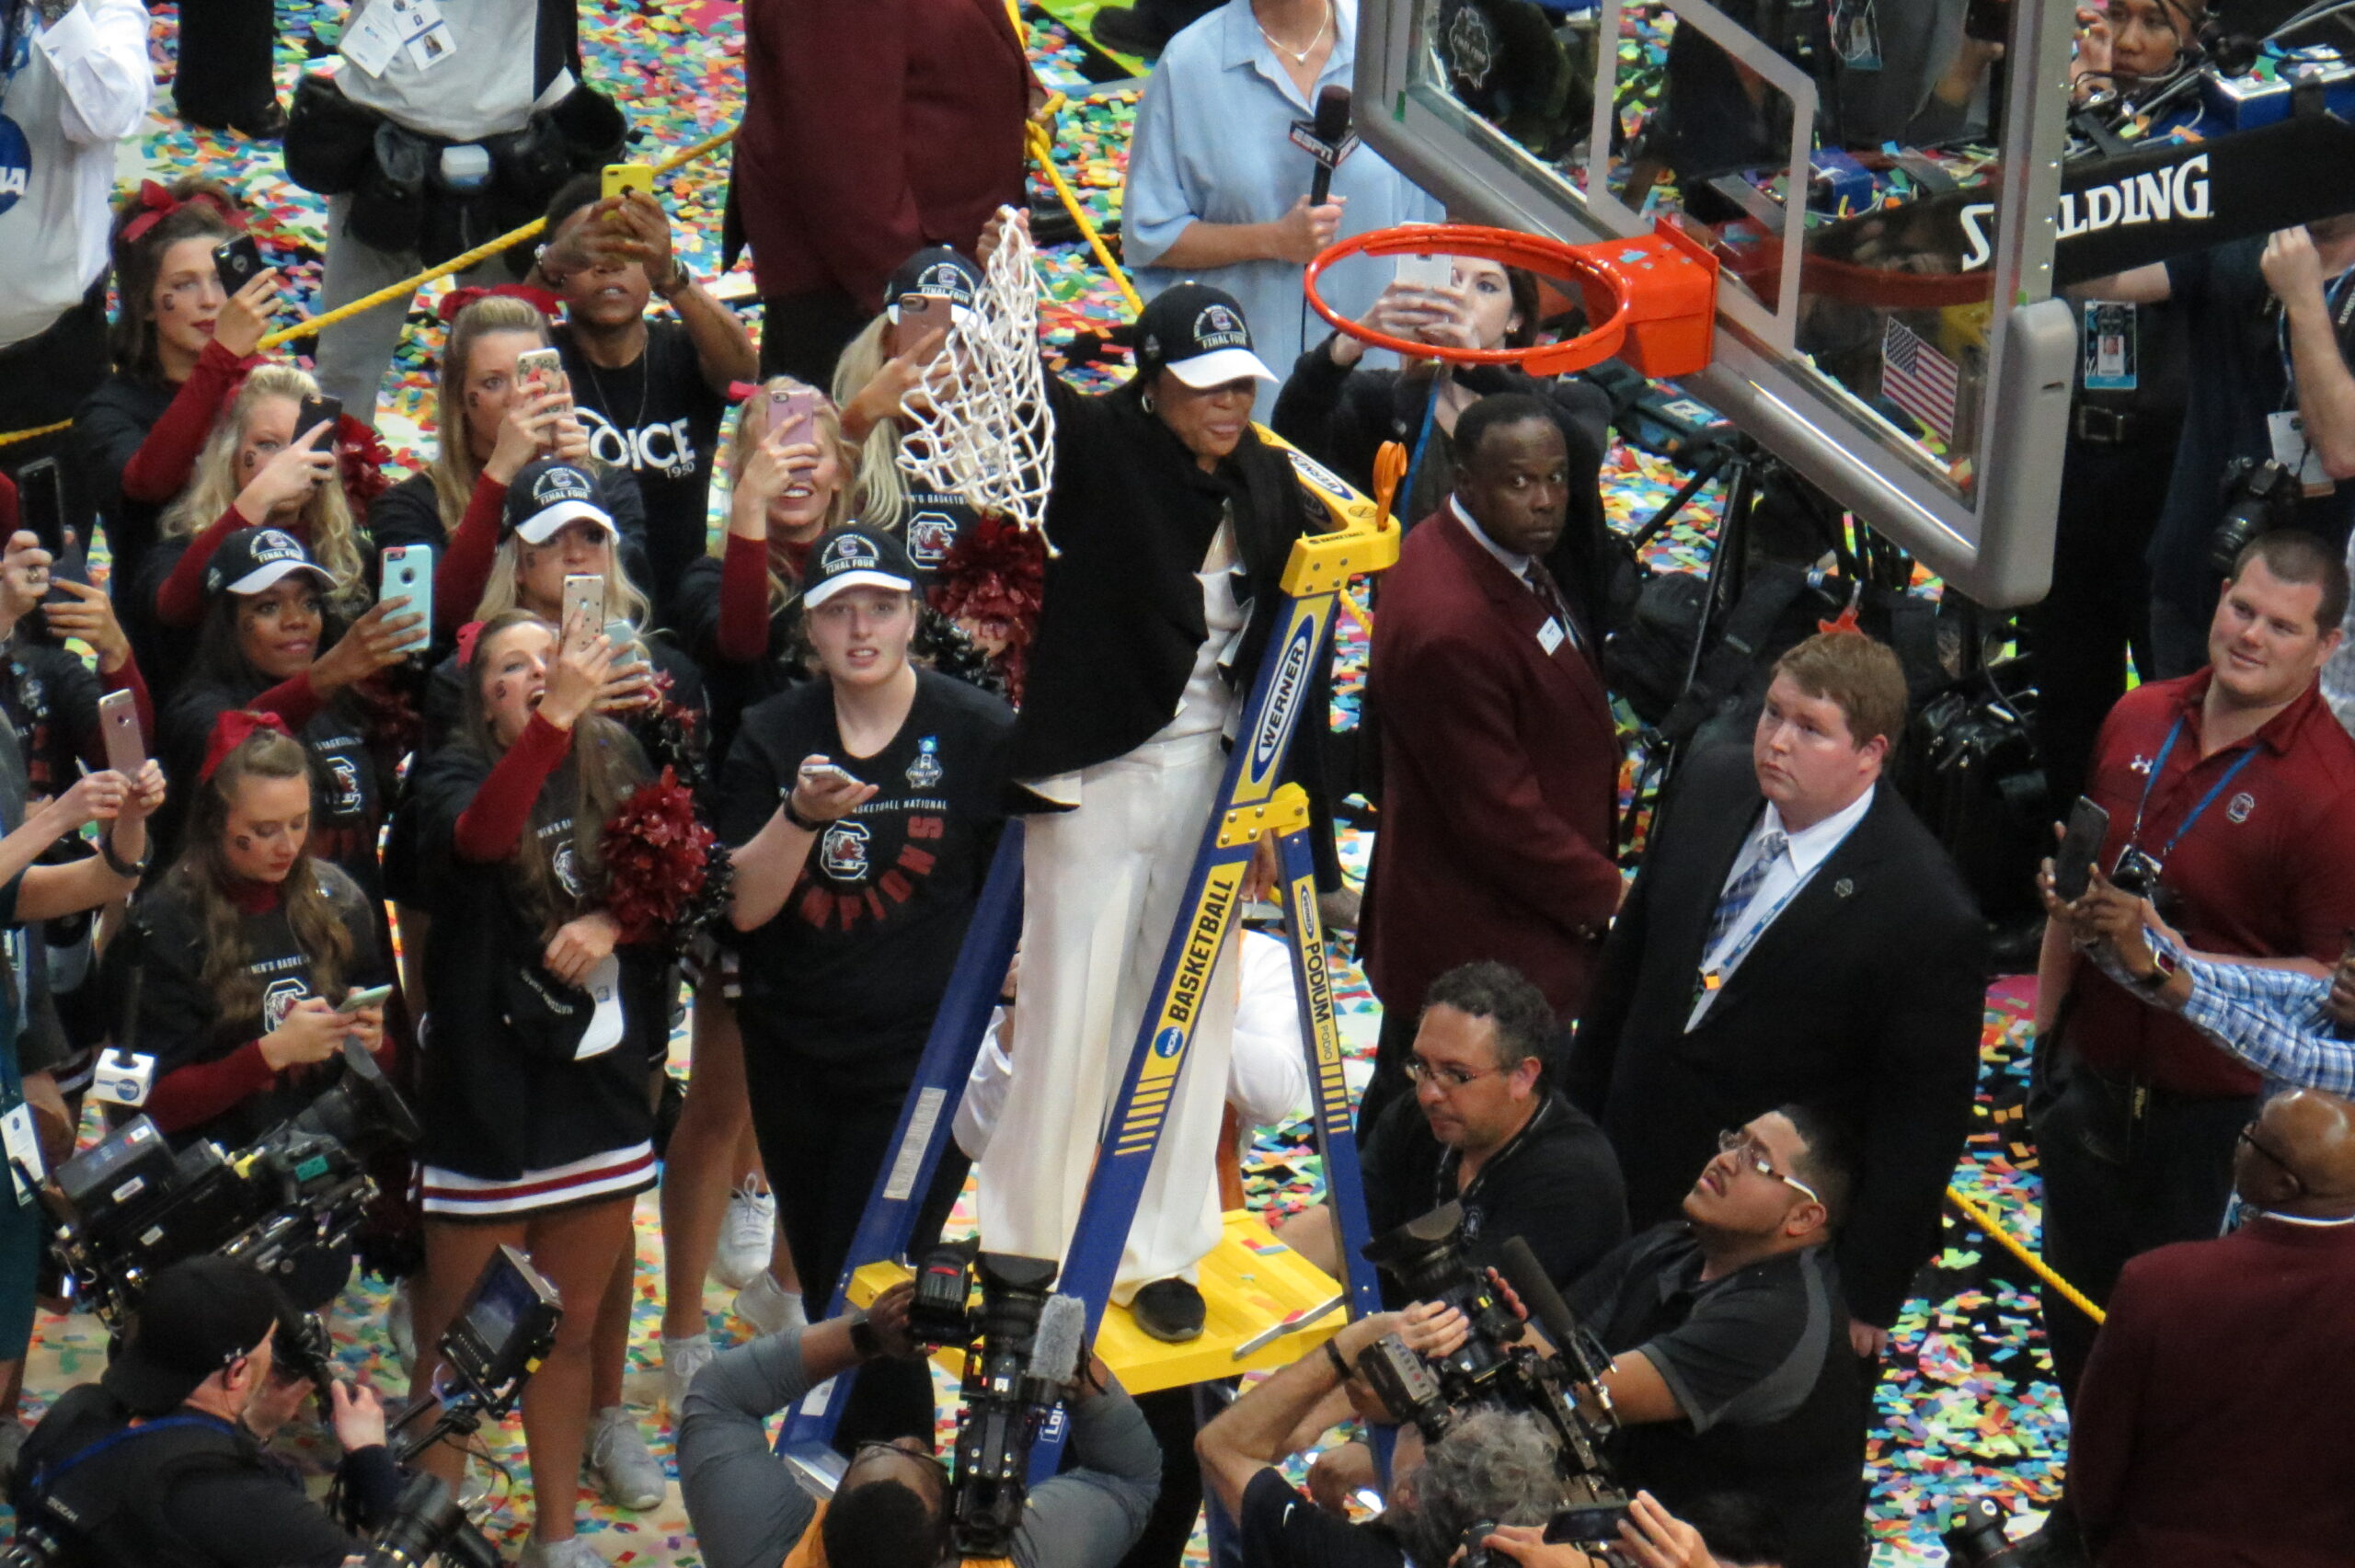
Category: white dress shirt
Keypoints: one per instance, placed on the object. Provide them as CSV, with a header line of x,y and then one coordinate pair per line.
x,y
1802,854
86,85
1512,561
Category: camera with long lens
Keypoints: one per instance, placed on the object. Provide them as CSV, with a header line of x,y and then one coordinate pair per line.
x,y
1022,1348
2260,497
1496,1367
427,1523
130,1206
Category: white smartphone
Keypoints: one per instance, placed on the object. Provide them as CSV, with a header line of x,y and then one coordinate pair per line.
x,y
539,370
118,724
1426,271
822,772
408,574
375,996
585,604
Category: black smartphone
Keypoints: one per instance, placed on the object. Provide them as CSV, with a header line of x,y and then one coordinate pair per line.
x,y
40,502
238,261
1988,21
318,411
2073,866
1586,1524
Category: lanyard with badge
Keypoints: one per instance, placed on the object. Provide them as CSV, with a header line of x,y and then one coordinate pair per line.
x,y
2136,868
17,29
2286,428
1715,976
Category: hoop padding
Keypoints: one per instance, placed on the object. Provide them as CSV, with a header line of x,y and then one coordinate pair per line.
x,y
1654,299
978,425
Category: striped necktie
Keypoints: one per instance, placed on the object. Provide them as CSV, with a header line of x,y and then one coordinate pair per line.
x,y
1744,887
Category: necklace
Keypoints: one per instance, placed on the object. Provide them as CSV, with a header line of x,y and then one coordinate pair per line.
x,y
1298,56
645,381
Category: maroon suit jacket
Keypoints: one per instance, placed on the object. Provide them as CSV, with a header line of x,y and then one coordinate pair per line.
x,y
2210,1428
1500,780
872,129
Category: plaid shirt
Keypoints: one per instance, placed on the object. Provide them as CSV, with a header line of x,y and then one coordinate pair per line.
x,y
2274,1020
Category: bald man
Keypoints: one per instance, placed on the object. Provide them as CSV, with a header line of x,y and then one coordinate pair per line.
x,y
2212,1422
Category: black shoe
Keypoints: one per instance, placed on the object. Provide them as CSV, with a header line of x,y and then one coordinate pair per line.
x,y
1122,31
1170,1310
265,125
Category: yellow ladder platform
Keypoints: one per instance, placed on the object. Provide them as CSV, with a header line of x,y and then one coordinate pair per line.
x,y
1266,1306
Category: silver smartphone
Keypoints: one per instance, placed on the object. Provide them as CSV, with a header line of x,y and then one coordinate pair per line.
x,y
118,724
585,604
1426,271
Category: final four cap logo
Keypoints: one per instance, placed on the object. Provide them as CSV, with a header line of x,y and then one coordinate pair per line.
x,y
858,556
1218,327
847,554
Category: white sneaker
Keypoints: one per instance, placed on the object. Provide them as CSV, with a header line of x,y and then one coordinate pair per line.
x,y
618,1460
681,1359
768,1306
400,1325
575,1552
746,1235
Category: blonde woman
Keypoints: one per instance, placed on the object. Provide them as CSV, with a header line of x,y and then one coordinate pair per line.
x,y
254,472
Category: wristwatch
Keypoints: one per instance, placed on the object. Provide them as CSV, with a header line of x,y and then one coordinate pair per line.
x,y
793,815
129,870
865,1340
678,283
2163,968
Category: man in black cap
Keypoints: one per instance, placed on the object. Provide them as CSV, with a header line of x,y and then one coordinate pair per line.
x,y
161,1464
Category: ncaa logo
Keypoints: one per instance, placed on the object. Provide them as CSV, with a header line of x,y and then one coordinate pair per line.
x,y
279,1001
1169,1042
841,854
931,535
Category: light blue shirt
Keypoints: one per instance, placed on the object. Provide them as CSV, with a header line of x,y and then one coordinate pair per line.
x,y
1212,144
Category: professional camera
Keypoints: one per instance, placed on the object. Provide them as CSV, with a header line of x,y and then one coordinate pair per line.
x,y
1975,1539
2260,496
1023,1347
130,1206
428,1522
503,1333
1495,1367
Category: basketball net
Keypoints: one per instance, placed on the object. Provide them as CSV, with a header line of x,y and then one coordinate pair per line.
x,y
978,424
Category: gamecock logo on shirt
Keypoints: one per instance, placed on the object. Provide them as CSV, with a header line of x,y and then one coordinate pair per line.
x,y
279,1001
842,854
931,535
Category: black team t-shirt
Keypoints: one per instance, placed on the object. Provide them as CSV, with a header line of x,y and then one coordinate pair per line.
x,y
658,418
851,971
931,522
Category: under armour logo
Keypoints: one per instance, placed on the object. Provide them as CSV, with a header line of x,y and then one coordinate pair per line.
x,y
2141,764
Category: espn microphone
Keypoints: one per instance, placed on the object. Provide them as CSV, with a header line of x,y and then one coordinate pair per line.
x,y
1061,1339
1332,131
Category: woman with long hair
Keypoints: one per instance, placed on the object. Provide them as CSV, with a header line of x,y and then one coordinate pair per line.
x,y
248,952
879,368
256,472
493,421
864,806
267,642
179,341
538,1132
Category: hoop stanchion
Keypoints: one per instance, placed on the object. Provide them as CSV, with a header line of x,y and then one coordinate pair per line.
x,y
1654,300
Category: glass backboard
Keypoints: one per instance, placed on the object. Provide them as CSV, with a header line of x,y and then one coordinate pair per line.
x,y
1877,181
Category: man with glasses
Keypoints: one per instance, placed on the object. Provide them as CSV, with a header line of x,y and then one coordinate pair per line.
x,y
1485,1129
1796,935
892,1509
1725,1330
2211,1425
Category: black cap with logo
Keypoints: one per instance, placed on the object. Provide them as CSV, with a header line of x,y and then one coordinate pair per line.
x,y
1197,333
546,494
251,559
937,271
855,556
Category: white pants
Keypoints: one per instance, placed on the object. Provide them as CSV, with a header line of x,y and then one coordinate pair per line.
x,y
354,354
1101,886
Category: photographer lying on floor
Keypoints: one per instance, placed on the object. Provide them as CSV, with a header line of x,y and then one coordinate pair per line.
x,y
893,1508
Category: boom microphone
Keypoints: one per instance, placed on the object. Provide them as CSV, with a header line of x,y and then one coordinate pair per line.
x,y
1331,132
1529,1280
1061,1340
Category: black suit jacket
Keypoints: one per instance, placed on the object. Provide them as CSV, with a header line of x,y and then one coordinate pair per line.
x,y
1865,998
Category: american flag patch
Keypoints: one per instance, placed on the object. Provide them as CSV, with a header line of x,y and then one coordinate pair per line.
x,y
1918,379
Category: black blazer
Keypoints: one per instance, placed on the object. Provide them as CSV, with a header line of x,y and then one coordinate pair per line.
x,y
1864,997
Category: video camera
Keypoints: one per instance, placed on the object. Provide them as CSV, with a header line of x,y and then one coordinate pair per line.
x,y
2260,498
428,1522
130,1207
503,1333
1495,1367
1023,1347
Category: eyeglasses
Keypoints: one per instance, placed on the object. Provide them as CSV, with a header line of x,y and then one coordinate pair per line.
x,y
879,1446
1753,1153
1447,1075
2248,1136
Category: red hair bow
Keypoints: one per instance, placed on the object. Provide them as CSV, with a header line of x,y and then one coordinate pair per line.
x,y
362,458
156,205
456,300
468,635
233,730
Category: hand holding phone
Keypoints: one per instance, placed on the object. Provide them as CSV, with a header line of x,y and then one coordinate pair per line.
x,y
236,262
2072,865
620,179
584,608
795,417
408,574
314,412
820,772
126,749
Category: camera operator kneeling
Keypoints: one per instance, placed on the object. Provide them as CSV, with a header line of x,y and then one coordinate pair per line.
x,y
892,1509
160,1463
1494,1467
1731,1368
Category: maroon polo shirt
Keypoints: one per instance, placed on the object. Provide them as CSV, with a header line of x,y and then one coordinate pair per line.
x,y
2268,871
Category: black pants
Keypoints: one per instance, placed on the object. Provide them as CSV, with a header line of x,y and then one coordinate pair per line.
x,y
224,61
824,1138
2116,1186
803,335
43,380
2100,606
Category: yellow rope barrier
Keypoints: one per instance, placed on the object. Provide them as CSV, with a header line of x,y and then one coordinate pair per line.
x,y
2037,1265
1043,147
406,288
